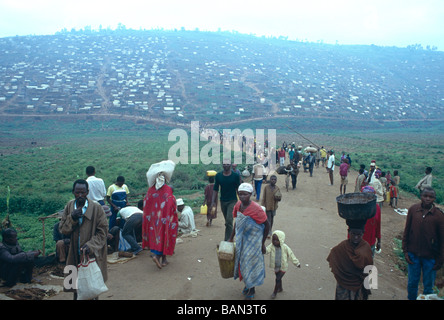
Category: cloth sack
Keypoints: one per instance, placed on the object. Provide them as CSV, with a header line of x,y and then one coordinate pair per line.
x,y
90,282
166,167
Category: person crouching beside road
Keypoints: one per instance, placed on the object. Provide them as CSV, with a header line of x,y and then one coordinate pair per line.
x,y
186,217
423,243
15,264
86,223
132,225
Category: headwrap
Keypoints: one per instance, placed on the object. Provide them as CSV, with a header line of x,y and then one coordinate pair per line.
x,y
368,189
246,187
378,173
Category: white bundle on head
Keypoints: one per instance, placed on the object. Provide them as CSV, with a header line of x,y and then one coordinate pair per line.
x,y
160,173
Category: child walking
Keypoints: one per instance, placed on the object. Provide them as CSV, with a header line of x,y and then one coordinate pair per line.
x,y
393,195
211,214
270,198
280,253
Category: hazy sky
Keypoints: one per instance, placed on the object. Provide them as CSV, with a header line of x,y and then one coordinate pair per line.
x,y
380,22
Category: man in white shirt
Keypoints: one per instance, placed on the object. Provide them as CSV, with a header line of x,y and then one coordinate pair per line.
x,y
258,178
186,218
133,218
97,190
331,165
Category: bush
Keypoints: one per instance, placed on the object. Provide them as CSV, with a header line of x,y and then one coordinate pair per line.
x,y
34,205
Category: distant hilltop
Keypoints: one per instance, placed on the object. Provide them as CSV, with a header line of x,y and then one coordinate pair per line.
x,y
216,77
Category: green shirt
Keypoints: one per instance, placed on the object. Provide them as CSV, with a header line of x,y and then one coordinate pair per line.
x,y
228,185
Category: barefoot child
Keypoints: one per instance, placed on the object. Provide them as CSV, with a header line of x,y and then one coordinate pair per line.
x,y
211,214
270,198
393,195
280,253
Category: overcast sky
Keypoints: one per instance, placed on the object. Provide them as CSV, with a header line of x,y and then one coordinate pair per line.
x,y
380,22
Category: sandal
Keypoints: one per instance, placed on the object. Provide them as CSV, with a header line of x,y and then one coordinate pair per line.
x,y
248,293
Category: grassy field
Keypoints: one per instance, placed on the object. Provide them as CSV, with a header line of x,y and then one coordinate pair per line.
x,y
40,160
406,147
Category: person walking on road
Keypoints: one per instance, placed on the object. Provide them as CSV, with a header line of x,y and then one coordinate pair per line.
x,y
331,165
228,182
249,234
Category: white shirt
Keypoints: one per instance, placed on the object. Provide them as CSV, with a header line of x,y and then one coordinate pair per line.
x,y
425,182
259,171
128,211
331,162
97,190
186,222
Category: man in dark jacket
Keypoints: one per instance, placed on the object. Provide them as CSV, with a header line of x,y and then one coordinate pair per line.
x,y
423,243
15,264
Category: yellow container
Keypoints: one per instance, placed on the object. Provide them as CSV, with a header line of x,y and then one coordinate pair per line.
x,y
203,209
226,266
211,173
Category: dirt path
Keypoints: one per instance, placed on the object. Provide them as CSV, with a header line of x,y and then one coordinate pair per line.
x,y
308,216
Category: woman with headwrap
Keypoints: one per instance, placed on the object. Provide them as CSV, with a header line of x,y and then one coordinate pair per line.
x,y
160,221
249,233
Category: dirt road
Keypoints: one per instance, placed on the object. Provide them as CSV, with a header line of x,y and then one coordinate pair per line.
x,y
308,216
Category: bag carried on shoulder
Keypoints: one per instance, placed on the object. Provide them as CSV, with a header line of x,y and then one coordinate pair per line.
x,y
90,282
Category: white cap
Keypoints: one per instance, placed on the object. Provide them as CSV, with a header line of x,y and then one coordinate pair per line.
x,y
179,202
246,187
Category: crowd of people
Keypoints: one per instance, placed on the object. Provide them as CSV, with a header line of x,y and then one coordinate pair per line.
x,y
88,226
